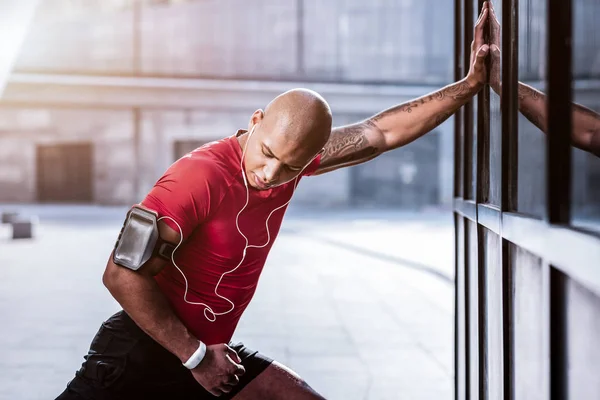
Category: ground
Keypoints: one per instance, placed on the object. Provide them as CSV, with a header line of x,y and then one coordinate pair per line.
x,y
359,303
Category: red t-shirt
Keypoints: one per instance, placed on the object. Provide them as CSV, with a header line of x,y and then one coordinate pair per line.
x,y
204,191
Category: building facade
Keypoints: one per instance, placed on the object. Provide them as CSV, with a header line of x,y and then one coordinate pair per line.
x,y
105,95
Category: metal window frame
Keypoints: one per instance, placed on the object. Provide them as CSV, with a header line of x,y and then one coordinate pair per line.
x,y
566,252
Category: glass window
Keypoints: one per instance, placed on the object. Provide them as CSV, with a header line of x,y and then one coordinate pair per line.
x,y
583,352
528,302
495,139
585,135
531,197
471,149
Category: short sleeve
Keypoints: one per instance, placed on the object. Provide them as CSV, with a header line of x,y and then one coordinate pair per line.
x,y
187,192
312,167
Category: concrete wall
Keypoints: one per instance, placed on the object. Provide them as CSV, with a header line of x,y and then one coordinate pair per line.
x,y
22,129
333,40
254,42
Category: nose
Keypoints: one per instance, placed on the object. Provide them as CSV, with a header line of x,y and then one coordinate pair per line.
x,y
272,171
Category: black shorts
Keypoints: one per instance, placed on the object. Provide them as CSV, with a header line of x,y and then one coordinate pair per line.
x,y
125,363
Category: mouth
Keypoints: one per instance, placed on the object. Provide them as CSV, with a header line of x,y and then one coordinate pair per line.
x,y
259,183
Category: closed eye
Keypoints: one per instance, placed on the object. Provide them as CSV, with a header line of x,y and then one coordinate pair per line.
x,y
267,153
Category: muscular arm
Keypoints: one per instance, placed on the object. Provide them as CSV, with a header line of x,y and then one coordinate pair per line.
x,y
400,125
140,297
394,127
586,123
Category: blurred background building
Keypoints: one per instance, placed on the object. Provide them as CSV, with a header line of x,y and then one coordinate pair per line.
x,y
105,95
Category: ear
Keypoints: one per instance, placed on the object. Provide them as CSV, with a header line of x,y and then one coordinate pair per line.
x,y
256,118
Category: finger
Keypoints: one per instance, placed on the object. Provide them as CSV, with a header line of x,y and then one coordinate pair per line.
x,y
480,16
239,369
234,355
233,380
494,17
483,52
236,368
479,29
225,388
483,8
481,21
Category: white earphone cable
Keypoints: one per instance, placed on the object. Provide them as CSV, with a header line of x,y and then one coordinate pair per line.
x,y
209,313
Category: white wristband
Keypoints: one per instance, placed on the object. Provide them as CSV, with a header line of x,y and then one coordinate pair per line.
x,y
197,357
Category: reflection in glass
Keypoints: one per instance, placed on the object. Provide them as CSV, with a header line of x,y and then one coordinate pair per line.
x,y
531,175
531,144
585,135
495,160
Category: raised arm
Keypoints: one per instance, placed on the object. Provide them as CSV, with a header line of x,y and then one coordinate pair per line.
x,y
406,122
585,133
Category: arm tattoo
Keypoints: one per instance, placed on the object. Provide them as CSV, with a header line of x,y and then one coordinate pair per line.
x,y
534,118
349,145
526,91
439,119
459,91
533,115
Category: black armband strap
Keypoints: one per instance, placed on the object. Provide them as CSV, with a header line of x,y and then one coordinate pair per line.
x,y
164,249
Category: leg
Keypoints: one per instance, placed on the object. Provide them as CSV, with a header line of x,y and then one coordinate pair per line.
x,y
278,382
124,363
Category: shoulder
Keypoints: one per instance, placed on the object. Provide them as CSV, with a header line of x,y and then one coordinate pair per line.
x,y
213,162
193,186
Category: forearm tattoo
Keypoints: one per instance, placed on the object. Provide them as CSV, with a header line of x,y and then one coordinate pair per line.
x,y
440,119
534,118
534,115
349,145
457,92
526,91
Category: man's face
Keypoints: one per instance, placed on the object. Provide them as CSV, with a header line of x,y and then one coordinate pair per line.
x,y
273,158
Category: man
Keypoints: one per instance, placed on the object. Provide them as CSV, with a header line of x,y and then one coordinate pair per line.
x,y
221,206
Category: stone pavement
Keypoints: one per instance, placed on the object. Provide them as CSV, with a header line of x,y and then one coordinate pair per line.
x,y
355,302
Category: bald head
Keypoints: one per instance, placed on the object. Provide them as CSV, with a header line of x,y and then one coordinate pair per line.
x,y
302,115
286,137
